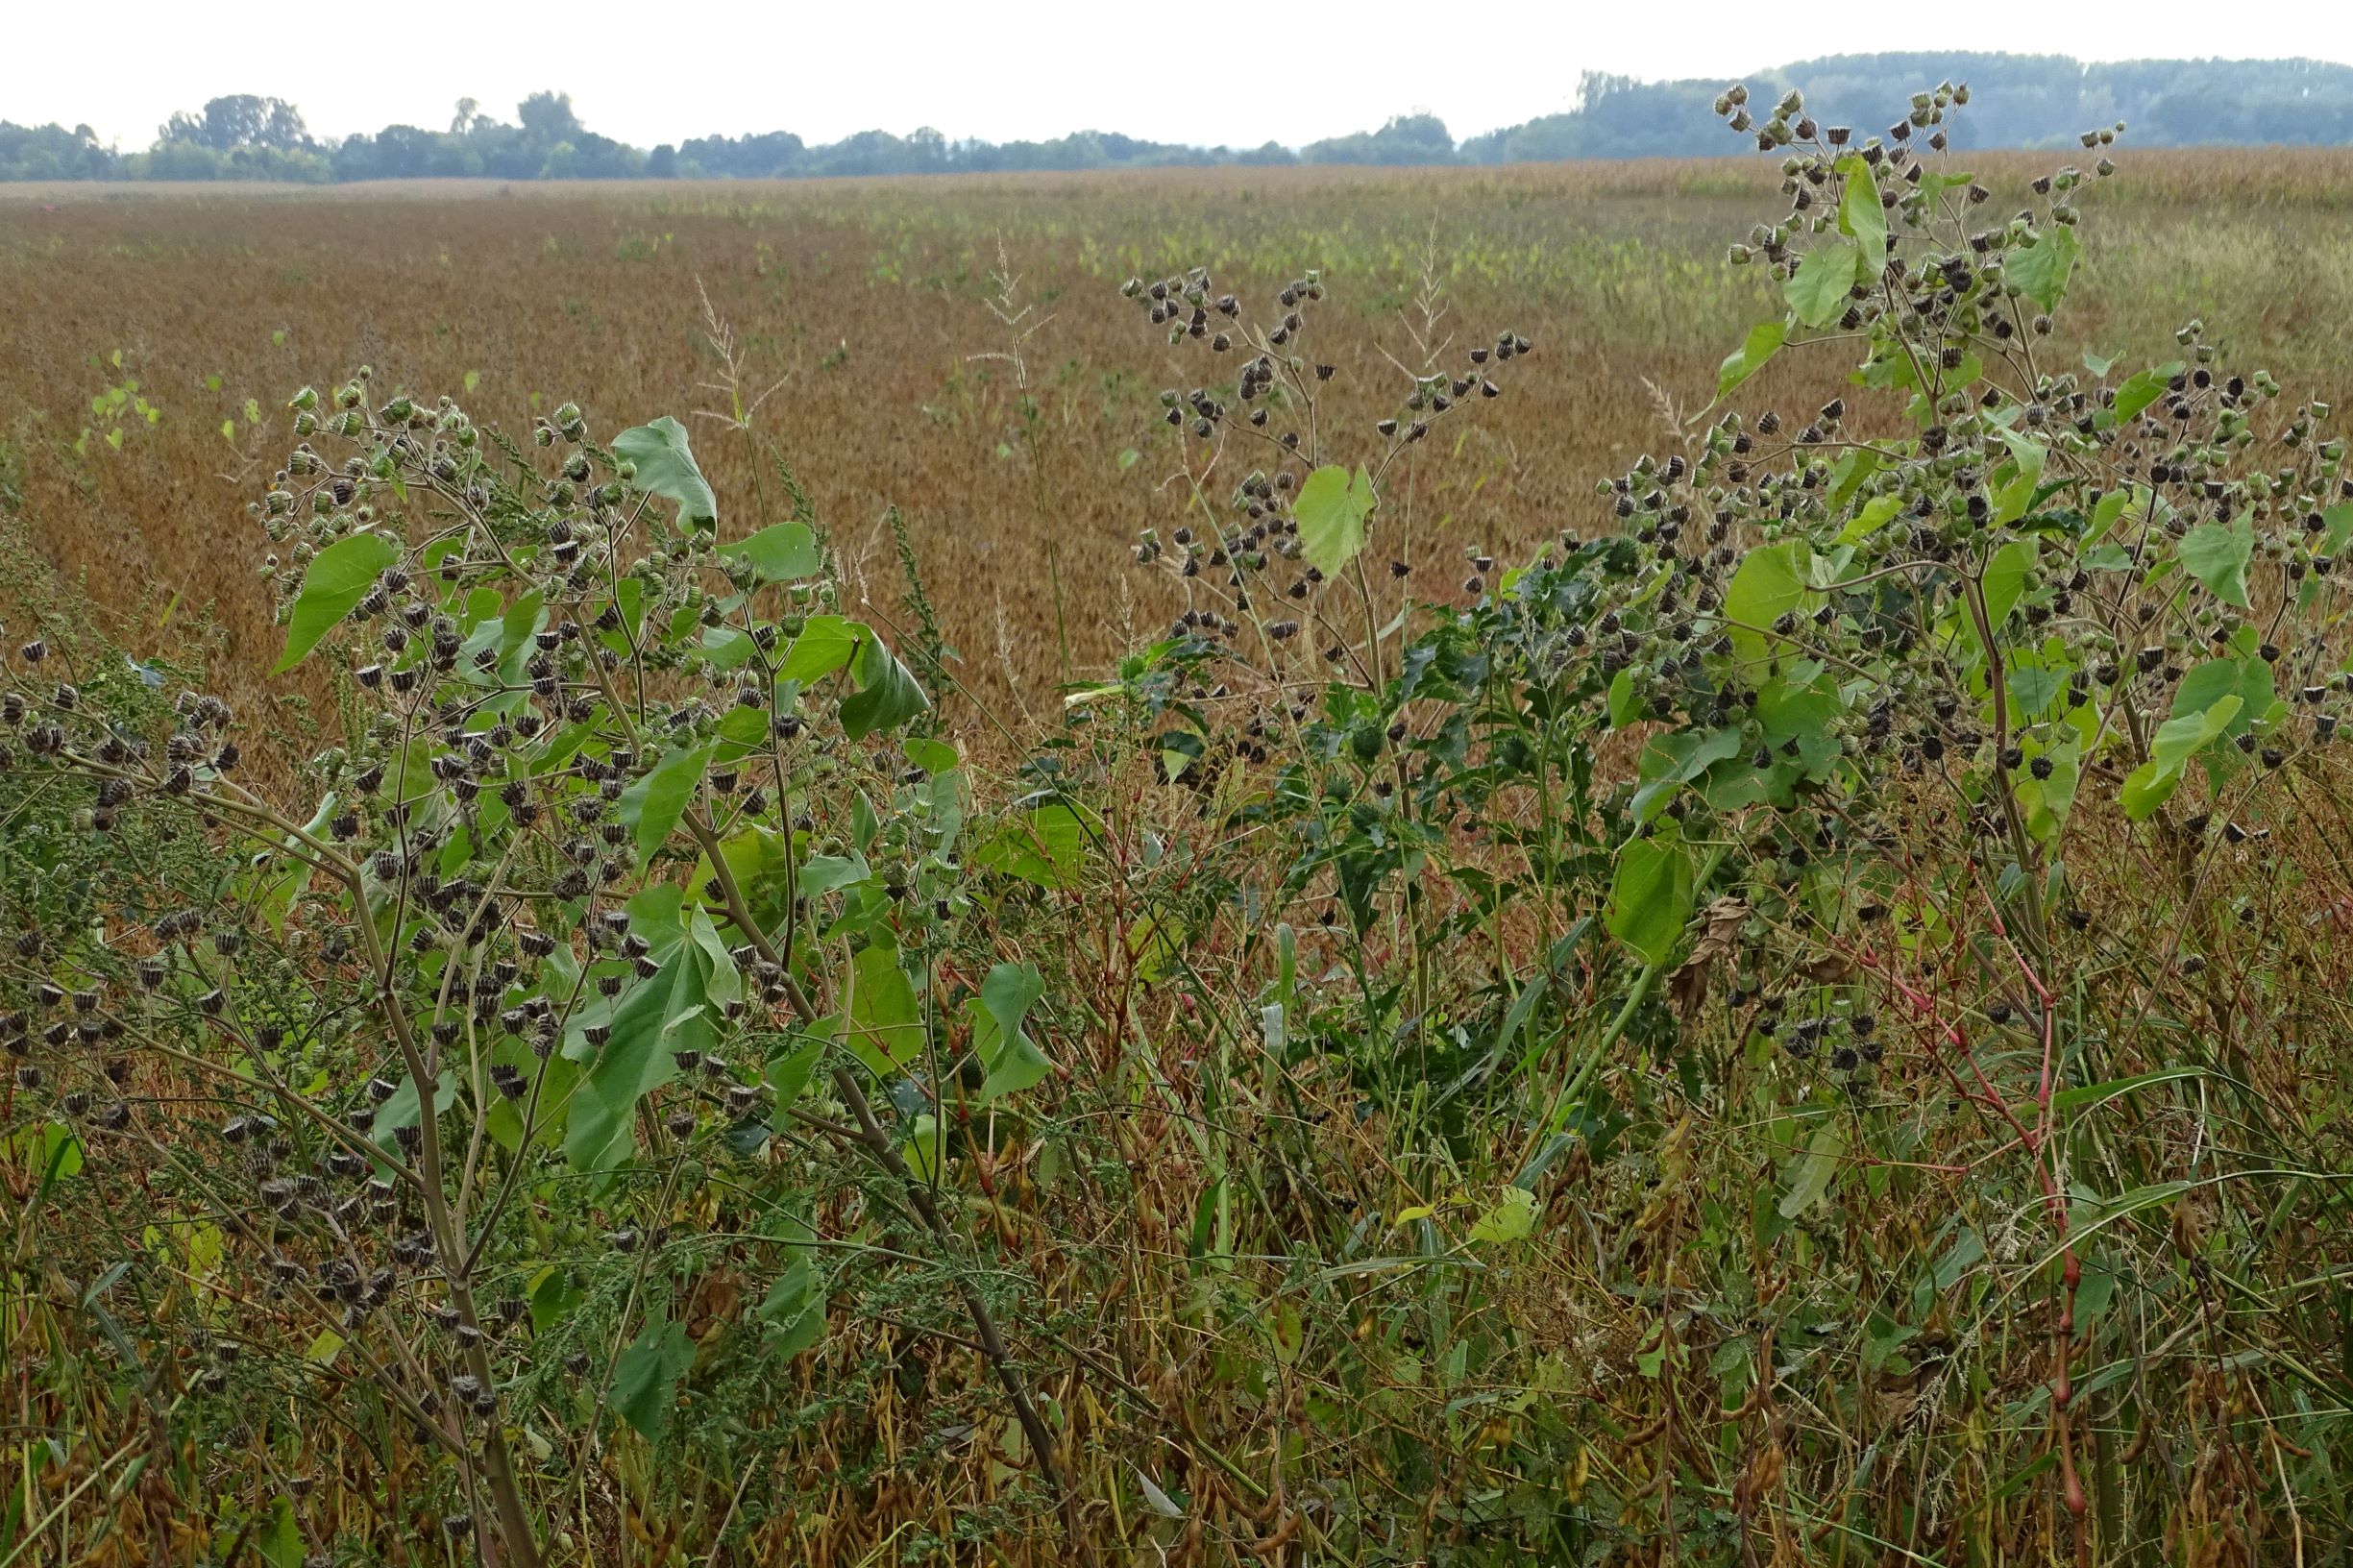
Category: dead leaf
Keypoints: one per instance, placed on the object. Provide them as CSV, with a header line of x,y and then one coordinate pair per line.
x,y
1831,969
1688,985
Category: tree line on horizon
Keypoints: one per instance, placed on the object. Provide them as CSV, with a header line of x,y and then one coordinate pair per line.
x,y
2025,101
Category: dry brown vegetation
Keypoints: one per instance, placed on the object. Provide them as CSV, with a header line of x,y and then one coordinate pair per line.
x,y
870,299
1207,1271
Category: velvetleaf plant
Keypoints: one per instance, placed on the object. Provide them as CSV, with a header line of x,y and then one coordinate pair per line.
x,y
631,847
1876,664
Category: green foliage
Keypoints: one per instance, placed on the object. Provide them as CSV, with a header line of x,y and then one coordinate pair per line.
x,y
1817,290
1861,217
1847,953
338,577
1010,1059
2043,269
664,466
646,1377
781,553
532,956
1650,898
1331,509
1763,342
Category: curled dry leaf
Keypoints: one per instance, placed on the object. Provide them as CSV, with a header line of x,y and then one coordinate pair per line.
x,y
1688,985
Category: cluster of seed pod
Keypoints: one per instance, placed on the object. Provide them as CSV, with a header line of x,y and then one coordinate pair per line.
x,y
481,806
2128,472
1274,401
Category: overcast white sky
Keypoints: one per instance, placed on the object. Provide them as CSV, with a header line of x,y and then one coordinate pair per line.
x,y
649,71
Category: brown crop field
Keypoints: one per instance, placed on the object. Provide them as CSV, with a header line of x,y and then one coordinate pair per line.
x,y
871,302
1633,981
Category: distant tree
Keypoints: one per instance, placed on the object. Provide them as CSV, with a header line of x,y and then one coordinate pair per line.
x,y
404,151
240,120
1406,138
179,158
600,158
50,152
926,151
2033,101
866,152
772,156
547,118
